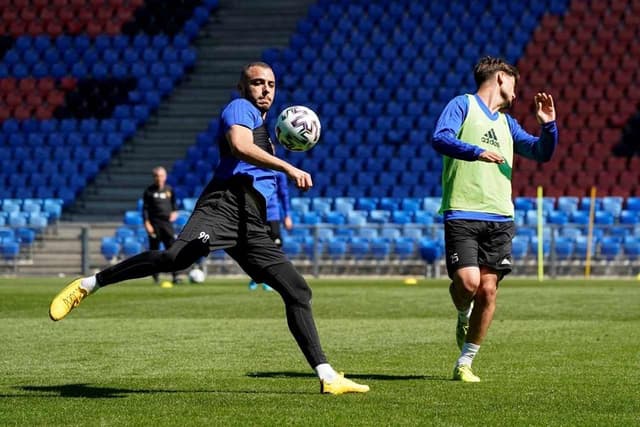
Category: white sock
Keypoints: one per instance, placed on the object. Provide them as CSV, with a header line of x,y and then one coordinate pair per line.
x,y
89,284
325,372
469,351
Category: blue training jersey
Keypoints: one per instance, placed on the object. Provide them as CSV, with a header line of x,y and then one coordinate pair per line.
x,y
446,142
241,112
279,201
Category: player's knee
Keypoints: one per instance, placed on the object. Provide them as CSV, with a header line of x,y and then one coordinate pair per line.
x,y
487,293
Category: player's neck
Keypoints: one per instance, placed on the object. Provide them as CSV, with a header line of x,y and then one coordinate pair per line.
x,y
491,97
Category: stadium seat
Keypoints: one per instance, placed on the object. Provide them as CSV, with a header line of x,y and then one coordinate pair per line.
x,y
519,247
109,248
429,250
563,248
131,246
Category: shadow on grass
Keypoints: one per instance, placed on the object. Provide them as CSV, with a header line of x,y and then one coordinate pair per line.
x,y
380,377
94,392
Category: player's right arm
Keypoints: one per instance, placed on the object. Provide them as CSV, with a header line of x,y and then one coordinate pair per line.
x,y
445,140
240,140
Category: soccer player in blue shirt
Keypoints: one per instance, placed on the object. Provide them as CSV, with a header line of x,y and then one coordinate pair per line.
x,y
478,142
279,201
231,215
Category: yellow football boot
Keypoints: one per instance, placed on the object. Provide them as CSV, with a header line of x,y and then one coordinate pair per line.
x,y
68,299
341,385
465,374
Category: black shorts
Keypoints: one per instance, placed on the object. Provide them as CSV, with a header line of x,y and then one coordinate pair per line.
x,y
233,219
479,243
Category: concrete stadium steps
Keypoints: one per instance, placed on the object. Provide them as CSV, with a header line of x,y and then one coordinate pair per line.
x,y
236,33
59,250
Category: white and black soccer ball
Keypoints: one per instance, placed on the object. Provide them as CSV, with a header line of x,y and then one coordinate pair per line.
x,y
196,276
298,128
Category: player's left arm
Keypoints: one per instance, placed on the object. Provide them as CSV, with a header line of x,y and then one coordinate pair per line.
x,y
535,148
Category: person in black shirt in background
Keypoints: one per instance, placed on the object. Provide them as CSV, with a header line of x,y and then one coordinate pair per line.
x,y
159,212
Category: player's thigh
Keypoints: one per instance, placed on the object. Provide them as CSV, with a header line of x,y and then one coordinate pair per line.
x,y
461,244
257,253
495,251
215,224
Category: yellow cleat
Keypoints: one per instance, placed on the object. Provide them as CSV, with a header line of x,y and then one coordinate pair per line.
x,y
465,374
67,300
341,385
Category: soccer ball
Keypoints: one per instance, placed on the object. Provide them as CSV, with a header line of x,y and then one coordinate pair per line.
x,y
196,276
298,128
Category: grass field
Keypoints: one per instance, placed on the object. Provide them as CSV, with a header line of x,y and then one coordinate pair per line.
x,y
558,353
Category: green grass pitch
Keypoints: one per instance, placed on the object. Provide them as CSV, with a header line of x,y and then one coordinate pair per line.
x,y
558,353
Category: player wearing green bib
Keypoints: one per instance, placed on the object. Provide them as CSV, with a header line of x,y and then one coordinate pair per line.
x,y
478,142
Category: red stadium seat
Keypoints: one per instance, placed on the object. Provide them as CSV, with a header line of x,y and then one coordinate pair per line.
x,y
27,85
55,98
17,28
66,14
54,29
46,85
33,99
22,112
68,83
113,27
44,112
94,28
5,113
35,28
7,84
28,14
13,98
40,4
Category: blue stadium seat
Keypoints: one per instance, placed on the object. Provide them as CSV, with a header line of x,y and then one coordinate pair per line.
x,y
524,203
629,217
612,205
10,250
568,204
109,248
631,246
133,218
519,247
358,248
633,204
430,250
336,248
404,247
380,248
610,247
131,246
563,248
292,248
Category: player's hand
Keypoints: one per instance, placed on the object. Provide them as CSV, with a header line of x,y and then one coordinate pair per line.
x,y
545,110
288,223
490,157
149,228
301,178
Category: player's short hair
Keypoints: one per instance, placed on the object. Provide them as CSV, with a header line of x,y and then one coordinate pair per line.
x,y
488,66
158,169
245,69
